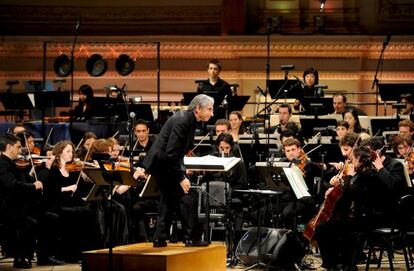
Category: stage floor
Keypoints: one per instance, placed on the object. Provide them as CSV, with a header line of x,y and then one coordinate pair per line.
x,y
6,265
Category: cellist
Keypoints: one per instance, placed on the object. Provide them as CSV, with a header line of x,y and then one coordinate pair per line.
x,y
336,236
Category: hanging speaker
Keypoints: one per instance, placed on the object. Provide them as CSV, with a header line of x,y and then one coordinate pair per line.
x,y
124,65
96,65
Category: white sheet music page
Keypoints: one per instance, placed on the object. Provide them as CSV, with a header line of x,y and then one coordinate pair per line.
x,y
210,163
296,181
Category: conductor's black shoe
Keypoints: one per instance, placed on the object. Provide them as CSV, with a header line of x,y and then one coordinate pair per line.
x,y
22,263
51,260
159,243
190,243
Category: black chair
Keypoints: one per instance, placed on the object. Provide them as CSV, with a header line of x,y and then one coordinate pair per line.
x,y
395,236
219,193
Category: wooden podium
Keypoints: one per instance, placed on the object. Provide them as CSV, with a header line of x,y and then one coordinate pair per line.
x,y
143,257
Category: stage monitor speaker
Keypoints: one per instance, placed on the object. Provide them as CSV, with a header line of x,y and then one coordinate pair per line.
x,y
280,247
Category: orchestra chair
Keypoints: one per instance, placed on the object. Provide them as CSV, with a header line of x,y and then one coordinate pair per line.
x,y
394,237
219,193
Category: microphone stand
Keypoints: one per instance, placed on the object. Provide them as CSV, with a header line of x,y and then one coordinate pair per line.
x,y
379,64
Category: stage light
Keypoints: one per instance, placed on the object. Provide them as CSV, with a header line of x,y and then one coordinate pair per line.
x,y
96,65
124,65
63,66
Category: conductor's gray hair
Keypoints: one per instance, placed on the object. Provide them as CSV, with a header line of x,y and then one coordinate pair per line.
x,y
202,100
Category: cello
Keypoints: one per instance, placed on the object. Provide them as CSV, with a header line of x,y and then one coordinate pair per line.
x,y
327,208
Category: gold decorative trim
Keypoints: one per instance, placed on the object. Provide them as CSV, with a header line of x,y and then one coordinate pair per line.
x,y
224,48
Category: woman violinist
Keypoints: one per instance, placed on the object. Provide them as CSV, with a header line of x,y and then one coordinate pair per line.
x,y
77,221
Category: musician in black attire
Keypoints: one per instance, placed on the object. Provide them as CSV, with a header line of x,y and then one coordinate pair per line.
x,y
81,112
214,85
61,196
291,206
17,193
140,206
367,202
389,170
164,162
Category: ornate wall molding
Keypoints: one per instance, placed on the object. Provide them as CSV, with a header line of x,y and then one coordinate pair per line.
x,y
364,47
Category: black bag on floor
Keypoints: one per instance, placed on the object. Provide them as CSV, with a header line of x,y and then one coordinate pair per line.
x,y
280,247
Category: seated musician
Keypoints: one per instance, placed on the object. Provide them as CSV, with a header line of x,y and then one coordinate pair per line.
x,y
223,126
61,196
285,112
389,170
355,198
101,151
17,128
81,112
236,125
341,129
406,128
292,207
340,105
408,100
402,147
351,117
86,143
143,137
236,177
21,212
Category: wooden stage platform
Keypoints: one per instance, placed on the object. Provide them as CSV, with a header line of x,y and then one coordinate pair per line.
x,y
143,257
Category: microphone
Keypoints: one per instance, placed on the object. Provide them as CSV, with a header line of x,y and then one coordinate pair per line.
x,y
297,79
287,67
261,91
387,40
132,115
78,24
322,5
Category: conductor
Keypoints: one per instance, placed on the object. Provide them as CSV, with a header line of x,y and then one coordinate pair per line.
x,y
164,161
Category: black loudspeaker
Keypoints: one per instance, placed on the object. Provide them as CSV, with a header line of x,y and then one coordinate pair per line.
x,y
280,247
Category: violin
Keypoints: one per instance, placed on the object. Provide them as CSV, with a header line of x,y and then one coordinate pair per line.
x,y
24,161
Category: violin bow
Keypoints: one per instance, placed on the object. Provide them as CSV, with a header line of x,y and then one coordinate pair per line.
x,y
30,157
83,163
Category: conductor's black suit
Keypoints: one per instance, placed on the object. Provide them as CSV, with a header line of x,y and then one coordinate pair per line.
x,y
164,162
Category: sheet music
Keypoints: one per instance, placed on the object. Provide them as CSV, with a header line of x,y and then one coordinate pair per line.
x,y
210,163
296,181
406,174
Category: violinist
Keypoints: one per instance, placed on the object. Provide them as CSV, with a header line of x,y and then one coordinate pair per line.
x,y
101,150
16,196
402,146
403,149
85,144
306,206
77,221
406,127
389,170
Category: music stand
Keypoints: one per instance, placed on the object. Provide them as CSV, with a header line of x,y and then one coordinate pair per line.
x,y
237,103
317,105
292,89
17,101
209,163
332,152
392,92
308,125
384,124
111,178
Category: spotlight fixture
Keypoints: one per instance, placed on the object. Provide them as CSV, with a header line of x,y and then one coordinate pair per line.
x,y
124,65
63,66
96,65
